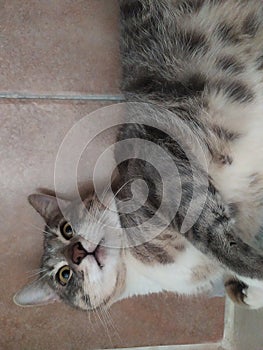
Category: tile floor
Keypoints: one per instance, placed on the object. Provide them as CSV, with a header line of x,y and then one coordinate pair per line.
x,y
66,47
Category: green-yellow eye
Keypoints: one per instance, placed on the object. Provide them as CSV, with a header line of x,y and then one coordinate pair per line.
x,y
66,230
63,275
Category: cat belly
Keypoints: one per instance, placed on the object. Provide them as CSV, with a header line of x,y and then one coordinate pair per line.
x,y
241,182
241,178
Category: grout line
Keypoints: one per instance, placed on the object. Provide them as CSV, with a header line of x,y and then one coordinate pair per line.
x,y
211,346
59,97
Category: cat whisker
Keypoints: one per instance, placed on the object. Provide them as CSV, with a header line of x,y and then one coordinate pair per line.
x,y
44,275
98,311
40,278
36,227
108,316
91,321
104,323
88,314
111,200
110,321
96,319
36,272
87,300
37,269
40,228
102,197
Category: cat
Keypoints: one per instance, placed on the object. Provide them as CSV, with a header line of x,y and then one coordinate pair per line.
x,y
192,74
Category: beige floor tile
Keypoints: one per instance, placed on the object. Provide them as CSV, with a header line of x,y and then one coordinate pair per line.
x,y
59,46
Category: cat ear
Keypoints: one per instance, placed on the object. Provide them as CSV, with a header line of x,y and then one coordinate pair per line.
x,y
37,293
46,205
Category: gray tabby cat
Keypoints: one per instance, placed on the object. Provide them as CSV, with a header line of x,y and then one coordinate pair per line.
x,y
199,62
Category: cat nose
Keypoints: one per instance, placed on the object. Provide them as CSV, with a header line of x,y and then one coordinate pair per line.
x,y
78,253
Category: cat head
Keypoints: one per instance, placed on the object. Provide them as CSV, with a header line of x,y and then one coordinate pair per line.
x,y
82,263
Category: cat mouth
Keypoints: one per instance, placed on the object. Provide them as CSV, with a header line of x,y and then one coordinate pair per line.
x,y
79,253
99,254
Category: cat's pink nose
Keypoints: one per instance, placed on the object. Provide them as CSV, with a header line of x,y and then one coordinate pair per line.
x,y
78,253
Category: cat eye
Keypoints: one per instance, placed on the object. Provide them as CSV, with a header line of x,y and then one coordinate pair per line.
x,y
63,275
66,230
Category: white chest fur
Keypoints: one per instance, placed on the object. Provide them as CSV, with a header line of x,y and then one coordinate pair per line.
x,y
177,277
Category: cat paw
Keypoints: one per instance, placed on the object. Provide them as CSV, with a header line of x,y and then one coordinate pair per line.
x,y
253,297
244,295
236,290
